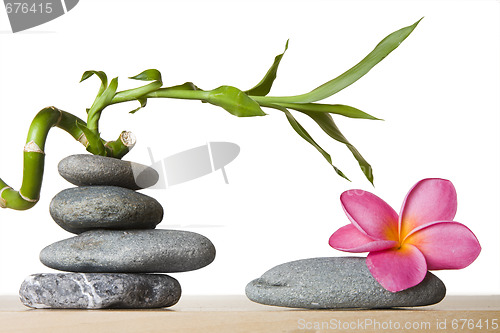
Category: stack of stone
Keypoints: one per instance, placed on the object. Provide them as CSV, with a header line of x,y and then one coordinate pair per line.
x,y
117,247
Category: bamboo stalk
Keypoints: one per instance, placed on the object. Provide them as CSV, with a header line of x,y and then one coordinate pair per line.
x,y
237,102
34,155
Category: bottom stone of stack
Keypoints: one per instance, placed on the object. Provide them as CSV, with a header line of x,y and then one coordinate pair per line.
x,y
99,291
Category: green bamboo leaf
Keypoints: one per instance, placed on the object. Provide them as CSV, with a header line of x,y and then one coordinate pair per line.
x,y
143,102
100,103
264,86
148,75
343,110
306,136
325,121
386,46
102,76
95,145
108,94
234,101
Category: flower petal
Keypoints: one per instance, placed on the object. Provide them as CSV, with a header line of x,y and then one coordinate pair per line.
x,y
350,239
397,269
370,214
445,245
430,200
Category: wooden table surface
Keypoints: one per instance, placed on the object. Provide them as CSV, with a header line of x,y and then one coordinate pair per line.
x,y
237,314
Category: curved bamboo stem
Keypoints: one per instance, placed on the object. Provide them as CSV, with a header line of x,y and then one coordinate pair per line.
x,y
34,155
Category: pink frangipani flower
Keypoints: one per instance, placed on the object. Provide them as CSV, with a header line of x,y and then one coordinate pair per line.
x,y
402,248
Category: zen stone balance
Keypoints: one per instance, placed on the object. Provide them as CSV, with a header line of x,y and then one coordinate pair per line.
x,y
117,258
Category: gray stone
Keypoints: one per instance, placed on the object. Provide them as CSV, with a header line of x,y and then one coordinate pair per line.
x,y
99,291
85,208
340,282
85,169
131,251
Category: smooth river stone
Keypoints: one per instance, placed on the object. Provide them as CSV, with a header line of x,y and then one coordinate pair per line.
x,y
131,251
333,283
99,291
85,208
85,169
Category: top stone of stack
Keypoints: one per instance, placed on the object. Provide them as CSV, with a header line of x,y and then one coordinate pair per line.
x,y
91,170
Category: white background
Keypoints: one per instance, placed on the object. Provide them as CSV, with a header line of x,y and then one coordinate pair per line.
x,y
438,94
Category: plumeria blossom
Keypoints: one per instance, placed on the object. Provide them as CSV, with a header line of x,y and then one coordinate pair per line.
x,y
402,248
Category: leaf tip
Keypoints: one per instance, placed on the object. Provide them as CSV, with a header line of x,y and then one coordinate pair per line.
x,y
340,173
114,83
368,174
148,75
416,23
86,75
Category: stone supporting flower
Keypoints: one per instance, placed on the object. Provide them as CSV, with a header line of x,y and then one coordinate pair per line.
x,y
402,248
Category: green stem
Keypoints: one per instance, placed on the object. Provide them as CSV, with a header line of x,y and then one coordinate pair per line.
x,y
180,94
170,92
133,94
121,146
34,155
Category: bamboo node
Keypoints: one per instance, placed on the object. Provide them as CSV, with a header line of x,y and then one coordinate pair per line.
x,y
27,199
32,147
83,140
60,115
108,146
3,202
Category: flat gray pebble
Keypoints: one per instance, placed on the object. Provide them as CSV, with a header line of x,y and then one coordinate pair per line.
x,y
338,282
86,169
131,251
85,208
99,291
